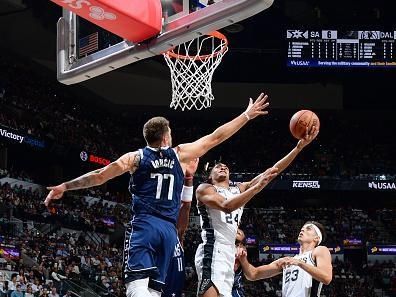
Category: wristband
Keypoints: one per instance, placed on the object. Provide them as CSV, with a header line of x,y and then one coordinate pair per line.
x,y
187,194
246,115
188,177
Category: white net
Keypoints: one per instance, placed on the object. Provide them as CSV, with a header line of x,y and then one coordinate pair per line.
x,y
192,65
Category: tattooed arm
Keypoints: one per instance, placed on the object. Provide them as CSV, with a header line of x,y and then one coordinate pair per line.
x,y
128,162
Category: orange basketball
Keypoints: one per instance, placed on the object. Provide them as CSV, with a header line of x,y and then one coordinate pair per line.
x,y
301,120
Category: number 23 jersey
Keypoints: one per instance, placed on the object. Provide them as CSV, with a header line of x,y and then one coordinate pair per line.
x,y
299,283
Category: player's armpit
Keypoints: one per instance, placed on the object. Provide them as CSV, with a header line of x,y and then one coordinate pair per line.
x,y
198,148
127,162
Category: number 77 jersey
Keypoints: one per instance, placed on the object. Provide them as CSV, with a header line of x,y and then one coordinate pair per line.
x,y
225,225
157,184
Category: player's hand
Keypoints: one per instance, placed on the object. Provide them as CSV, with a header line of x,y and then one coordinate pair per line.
x,y
266,177
288,261
281,263
308,138
241,254
55,193
257,108
192,167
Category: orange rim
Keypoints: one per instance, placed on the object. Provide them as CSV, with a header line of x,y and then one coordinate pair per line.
x,y
215,34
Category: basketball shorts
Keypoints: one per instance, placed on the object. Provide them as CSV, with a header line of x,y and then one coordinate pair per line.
x,y
149,246
214,263
176,276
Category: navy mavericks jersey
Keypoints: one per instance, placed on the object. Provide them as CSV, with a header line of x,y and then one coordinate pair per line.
x,y
157,184
237,288
175,278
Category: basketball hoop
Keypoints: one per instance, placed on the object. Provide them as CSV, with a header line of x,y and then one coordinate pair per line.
x,y
192,65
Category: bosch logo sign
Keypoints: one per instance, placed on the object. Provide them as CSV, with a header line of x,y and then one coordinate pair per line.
x,y
84,156
95,12
91,158
98,160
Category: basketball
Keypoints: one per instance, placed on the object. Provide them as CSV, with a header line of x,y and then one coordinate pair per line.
x,y
301,120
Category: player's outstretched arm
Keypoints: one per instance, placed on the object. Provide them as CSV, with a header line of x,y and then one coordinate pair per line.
x,y
283,163
127,162
186,197
207,194
255,273
323,272
189,151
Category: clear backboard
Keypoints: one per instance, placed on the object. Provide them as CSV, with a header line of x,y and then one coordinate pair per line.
x,y
86,50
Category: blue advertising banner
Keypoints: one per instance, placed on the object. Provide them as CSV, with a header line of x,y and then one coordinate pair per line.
x,y
17,137
381,250
273,248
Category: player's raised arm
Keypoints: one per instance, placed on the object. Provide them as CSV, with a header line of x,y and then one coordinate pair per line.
x,y
283,163
189,151
127,162
207,194
186,198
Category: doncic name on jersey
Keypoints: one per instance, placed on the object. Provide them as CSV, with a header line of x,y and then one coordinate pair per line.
x,y
163,163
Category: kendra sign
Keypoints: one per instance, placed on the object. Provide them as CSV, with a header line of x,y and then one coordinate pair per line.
x,y
5,133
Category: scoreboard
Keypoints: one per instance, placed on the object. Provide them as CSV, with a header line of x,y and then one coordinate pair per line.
x,y
340,48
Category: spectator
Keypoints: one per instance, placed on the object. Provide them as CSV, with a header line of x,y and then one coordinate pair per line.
x,y
17,292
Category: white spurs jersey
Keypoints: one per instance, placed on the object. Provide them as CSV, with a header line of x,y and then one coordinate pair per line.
x,y
215,222
299,283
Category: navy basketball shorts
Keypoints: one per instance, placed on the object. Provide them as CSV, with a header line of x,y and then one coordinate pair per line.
x,y
149,246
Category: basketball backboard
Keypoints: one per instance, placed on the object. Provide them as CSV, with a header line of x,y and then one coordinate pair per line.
x,y
85,50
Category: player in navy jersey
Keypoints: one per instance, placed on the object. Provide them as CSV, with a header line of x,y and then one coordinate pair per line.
x,y
237,287
157,173
175,277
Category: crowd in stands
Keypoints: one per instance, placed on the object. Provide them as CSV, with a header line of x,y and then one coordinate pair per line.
x,y
98,216
44,108
77,259
280,225
63,263
16,174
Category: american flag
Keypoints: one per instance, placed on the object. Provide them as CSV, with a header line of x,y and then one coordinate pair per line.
x,y
88,44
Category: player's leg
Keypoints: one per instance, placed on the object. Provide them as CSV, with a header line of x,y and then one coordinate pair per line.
x,y
214,265
139,257
139,288
165,253
211,292
203,266
175,278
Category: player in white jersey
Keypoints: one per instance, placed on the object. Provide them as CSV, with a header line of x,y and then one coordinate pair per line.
x,y
303,274
220,206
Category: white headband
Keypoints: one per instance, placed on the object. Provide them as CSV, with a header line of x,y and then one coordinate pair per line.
x,y
317,230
